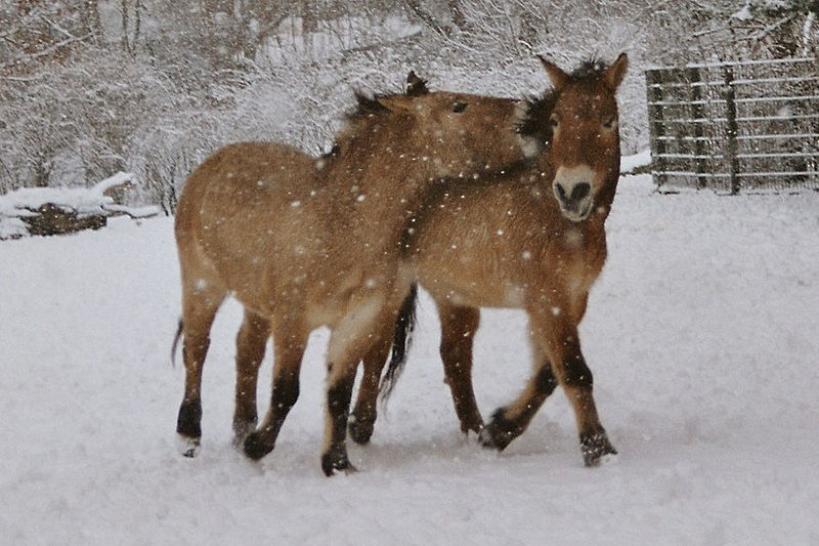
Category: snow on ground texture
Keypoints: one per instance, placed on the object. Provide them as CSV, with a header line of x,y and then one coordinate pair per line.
x,y
701,333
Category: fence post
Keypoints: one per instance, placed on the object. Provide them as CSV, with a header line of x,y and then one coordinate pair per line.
x,y
733,128
698,112
815,124
656,127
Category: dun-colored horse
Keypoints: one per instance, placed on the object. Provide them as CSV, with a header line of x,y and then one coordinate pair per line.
x,y
532,239
304,242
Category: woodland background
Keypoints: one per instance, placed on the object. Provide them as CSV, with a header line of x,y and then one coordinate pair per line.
x,y
89,88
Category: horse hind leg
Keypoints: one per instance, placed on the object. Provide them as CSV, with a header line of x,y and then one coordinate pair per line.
x,y
350,341
251,343
288,348
362,421
199,308
395,335
458,326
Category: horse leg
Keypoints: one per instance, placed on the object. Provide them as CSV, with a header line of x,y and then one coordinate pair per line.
x,y
576,379
250,348
349,342
458,326
559,338
365,412
288,347
199,308
510,421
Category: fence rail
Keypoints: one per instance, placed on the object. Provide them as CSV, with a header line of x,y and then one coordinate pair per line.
x,y
734,126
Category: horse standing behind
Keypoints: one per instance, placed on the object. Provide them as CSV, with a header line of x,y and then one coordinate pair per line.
x,y
303,242
532,239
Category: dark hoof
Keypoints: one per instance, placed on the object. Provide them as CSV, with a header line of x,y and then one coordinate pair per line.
x,y
361,430
256,447
189,420
595,447
470,428
336,461
499,433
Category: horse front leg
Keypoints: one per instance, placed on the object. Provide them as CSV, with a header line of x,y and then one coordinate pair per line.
x,y
561,341
510,421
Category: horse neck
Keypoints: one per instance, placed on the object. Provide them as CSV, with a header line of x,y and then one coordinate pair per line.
x,y
383,147
390,177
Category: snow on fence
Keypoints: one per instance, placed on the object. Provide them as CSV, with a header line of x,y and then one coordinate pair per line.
x,y
738,125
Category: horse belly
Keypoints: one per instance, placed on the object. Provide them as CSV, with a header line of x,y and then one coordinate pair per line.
x,y
462,288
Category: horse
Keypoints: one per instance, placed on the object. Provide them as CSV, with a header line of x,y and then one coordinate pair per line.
x,y
533,238
303,242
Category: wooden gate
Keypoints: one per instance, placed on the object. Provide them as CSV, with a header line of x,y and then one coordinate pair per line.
x,y
735,126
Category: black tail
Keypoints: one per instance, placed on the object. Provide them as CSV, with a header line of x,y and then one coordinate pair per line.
x,y
401,341
175,343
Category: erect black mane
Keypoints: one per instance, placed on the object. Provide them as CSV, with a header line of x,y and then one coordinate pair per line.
x,y
589,69
533,120
416,86
536,111
366,106
369,105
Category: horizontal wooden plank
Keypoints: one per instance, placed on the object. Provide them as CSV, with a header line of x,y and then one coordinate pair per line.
x,y
737,82
773,174
739,156
756,62
740,119
796,136
794,98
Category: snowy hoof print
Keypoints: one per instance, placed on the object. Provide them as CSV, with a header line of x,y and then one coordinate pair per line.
x,y
597,449
336,461
361,431
255,447
188,447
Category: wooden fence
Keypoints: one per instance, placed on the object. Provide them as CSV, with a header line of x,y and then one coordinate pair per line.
x,y
735,126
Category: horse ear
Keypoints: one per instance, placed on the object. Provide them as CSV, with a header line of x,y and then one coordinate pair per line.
x,y
559,78
398,103
616,72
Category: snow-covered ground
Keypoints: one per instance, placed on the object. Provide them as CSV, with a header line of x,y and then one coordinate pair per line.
x,y
702,333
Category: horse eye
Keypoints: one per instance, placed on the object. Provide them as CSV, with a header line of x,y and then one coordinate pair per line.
x,y
554,122
459,107
609,123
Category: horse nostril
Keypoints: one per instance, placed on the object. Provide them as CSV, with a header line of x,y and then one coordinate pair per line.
x,y
561,191
580,191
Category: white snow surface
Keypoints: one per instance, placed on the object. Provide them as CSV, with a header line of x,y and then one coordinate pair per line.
x,y
630,162
701,333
